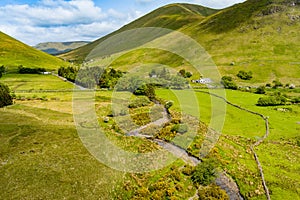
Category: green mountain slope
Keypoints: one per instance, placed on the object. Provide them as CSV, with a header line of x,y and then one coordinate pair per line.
x,y
55,48
14,53
261,36
258,35
173,16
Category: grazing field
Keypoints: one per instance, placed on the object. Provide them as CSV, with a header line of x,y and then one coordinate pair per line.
x,y
35,82
41,157
41,149
279,154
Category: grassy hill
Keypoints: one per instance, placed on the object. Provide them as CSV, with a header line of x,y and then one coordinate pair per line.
x,y
55,48
173,16
14,53
258,36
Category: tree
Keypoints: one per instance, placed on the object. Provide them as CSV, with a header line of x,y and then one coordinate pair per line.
x,y
5,97
2,70
261,90
228,83
204,173
184,73
147,90
188,74
245,75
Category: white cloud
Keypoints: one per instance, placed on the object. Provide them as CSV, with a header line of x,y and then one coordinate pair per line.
x,y
60,20
67,20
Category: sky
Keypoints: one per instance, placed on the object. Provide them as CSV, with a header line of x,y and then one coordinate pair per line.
x,y
36,21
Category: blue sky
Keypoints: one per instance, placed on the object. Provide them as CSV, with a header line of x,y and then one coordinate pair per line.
x,y
35,21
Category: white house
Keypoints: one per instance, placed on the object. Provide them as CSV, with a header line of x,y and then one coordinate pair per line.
x,y
203,81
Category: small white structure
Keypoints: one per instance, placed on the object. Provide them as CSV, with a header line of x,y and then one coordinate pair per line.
x,y
203,81
46,73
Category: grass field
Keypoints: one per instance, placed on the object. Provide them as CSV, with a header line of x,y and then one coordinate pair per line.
x,y
44,153
42,157
242,129
35,82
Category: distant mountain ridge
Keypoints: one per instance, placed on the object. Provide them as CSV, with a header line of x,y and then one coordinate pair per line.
x,y
55,48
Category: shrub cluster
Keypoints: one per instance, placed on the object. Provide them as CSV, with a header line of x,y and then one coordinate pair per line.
x,y
245,75
204,173
212,192
26,70
5,97
69,73
228,83
185,74
272,101
139,102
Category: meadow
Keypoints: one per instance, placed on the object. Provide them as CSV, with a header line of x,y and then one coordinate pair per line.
x,y
42,156
279,154
41,148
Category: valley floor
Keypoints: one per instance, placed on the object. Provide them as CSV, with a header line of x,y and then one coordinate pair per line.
x,y
42,157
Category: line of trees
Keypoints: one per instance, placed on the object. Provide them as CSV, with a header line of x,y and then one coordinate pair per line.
x,y
110,78
69,73
274,100
27,70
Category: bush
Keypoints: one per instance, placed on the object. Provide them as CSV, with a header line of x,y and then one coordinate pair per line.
x,y
139,102
228,83
180,128
271,101
147,90
2,70
245,75
204,173
185,74
188,170
212,192
5,97
261,90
